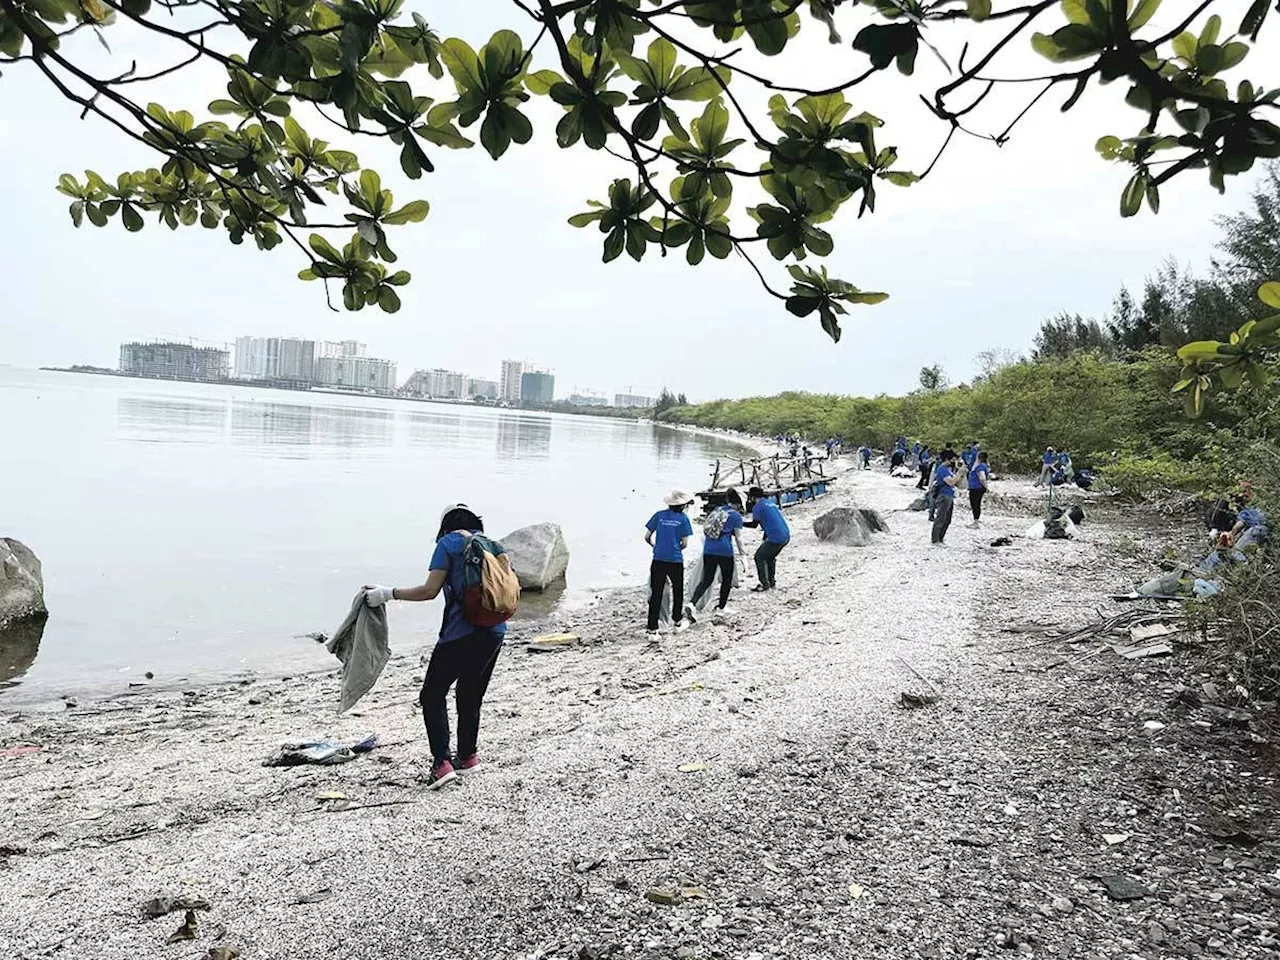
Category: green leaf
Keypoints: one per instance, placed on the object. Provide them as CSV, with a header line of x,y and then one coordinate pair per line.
x,y
131,218
978,9
493,134
325,249
614,244
542,81
645,124
444,135
1131,199
388,299
1153,196
1212,27
1184,45
585,219
698,84
413,212
77,212
1269,293
1233,53
462,63
95,214
662,60
1142,13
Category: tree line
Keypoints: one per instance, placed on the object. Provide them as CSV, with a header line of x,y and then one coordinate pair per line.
x,y
1097,386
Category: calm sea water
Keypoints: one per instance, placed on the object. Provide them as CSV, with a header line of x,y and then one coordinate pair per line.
x,y
199,530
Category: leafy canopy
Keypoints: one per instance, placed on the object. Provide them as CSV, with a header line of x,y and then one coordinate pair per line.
x,y
655,83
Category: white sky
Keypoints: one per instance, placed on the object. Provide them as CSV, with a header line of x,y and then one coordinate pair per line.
x,y
974,257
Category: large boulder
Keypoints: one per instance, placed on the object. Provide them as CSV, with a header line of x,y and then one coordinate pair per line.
x,y
21,584
539,555
849,526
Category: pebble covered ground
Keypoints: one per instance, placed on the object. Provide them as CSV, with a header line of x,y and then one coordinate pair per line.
x,y
748,789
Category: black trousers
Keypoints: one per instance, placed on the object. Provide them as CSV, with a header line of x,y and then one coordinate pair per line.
x,y
924,476
468,662
975,502
942,521
767,563
660,571
710,564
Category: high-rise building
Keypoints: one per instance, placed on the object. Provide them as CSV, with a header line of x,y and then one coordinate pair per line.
x,y
588,399
537,387
341,348
179,361
440,384
275,358
633,400
357,373
484,389
512,371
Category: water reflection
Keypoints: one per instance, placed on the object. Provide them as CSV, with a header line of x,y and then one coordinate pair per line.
x,y
19,644
523,438
170,420
670,443
256,423
431,428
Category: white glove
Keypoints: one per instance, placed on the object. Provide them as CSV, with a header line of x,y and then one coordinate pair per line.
x,y
377,596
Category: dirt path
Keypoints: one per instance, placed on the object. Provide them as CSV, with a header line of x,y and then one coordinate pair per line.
x,y
765,765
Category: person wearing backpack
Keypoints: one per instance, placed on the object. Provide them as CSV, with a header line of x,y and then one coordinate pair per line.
x,y
672,530
468,646
944,480
721,530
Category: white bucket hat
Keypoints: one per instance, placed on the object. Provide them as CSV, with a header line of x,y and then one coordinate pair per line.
x,y
677,498
452,507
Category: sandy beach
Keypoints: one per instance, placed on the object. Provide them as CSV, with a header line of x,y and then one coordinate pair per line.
x,y
749,789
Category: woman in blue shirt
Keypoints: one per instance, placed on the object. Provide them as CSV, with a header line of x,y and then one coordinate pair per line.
x,y
944,481
978,477
777,535
717,554
668,532
463,654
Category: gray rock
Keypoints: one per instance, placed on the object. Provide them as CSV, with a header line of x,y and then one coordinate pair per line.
x,y
850,526
21,583
1062,905
539,555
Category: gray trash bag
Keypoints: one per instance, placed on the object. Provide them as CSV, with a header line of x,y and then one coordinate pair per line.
x,y
1166,585
693,577
918,504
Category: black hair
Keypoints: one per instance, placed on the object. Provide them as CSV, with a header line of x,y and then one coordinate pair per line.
x,y
460,518
734,498
982,457
755,493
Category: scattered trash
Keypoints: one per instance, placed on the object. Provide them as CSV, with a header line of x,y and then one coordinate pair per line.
x,y
11,850
1138,651
1115,838
223,953
663,896
331,795
189,930
162,906
915,699
587,865
316,896
1010,809
691,767
1002,542
1153,726
319,636
19,751
320,752
1229,716
856,891
551,642
1120,887
1150,631
977,842
693,893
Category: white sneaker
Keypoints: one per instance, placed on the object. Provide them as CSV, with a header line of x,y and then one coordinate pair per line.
x,y
690,614
680,627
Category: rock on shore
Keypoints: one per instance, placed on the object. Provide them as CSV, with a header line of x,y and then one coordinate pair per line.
x,y
851,526
21,583
539,555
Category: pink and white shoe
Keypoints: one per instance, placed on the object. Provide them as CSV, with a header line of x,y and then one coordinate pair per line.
x,y
471,764
441,774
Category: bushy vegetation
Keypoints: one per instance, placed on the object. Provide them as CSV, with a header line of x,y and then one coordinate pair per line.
x,y
1098,387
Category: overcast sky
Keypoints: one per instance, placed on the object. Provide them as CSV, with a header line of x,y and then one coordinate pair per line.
x,y
973,258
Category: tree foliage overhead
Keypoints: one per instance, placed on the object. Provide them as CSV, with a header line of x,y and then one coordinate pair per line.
x,y
663,86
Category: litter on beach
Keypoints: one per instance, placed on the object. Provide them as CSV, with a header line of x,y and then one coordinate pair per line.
x,y
319,752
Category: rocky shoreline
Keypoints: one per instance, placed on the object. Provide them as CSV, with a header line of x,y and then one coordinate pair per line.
x,y
750,789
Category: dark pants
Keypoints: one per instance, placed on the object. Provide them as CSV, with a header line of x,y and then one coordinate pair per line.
x,y
660,571
975,503
924,476
942,521
767,563
710,564
468,662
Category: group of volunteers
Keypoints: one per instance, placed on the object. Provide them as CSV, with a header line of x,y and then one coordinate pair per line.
x,y
668,532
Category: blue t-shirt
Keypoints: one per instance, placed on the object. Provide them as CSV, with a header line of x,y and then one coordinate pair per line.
x,y
723,546
970,457
866,453
448,557
940,477
978,473
1048,458
767,514
926,458
670,526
